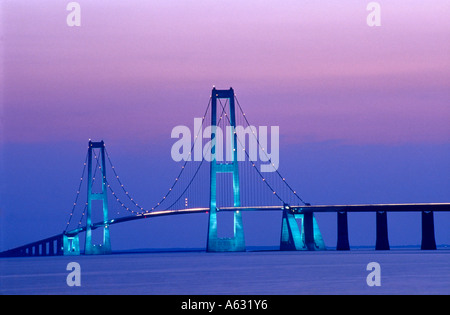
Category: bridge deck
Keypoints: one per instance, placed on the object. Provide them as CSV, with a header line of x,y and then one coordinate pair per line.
x,y
406,207
401,207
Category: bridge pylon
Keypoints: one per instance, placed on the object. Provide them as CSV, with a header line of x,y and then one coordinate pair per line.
x,y
71,245
105,247
303,236
237,242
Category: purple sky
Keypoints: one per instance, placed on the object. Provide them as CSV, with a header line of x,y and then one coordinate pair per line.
x,y
327,73
136,69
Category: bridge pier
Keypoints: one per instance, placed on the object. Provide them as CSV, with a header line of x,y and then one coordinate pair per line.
x,y
51,246
36,251
428,239
342,231
382,241
305,237
308,226
291,237
71,245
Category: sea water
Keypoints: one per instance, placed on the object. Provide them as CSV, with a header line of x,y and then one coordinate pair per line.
x,y
401,271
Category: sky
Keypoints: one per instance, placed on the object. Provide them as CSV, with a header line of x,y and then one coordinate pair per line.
x,y
363,111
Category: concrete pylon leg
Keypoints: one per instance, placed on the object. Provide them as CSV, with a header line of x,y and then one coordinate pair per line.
x,y
382,242
305,237
428,238
291,236
342,231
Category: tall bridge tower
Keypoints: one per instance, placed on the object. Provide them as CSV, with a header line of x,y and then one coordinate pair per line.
x,y
237,242
105,247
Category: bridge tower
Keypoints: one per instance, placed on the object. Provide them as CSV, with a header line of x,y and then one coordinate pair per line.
x,y
237,242
105,247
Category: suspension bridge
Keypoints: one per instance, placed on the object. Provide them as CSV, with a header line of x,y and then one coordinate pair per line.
x,y
212,186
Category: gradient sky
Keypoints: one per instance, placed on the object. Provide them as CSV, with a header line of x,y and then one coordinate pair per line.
x,y
353,102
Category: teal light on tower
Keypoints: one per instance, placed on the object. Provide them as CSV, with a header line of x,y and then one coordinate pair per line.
x,y
105,247
237,242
